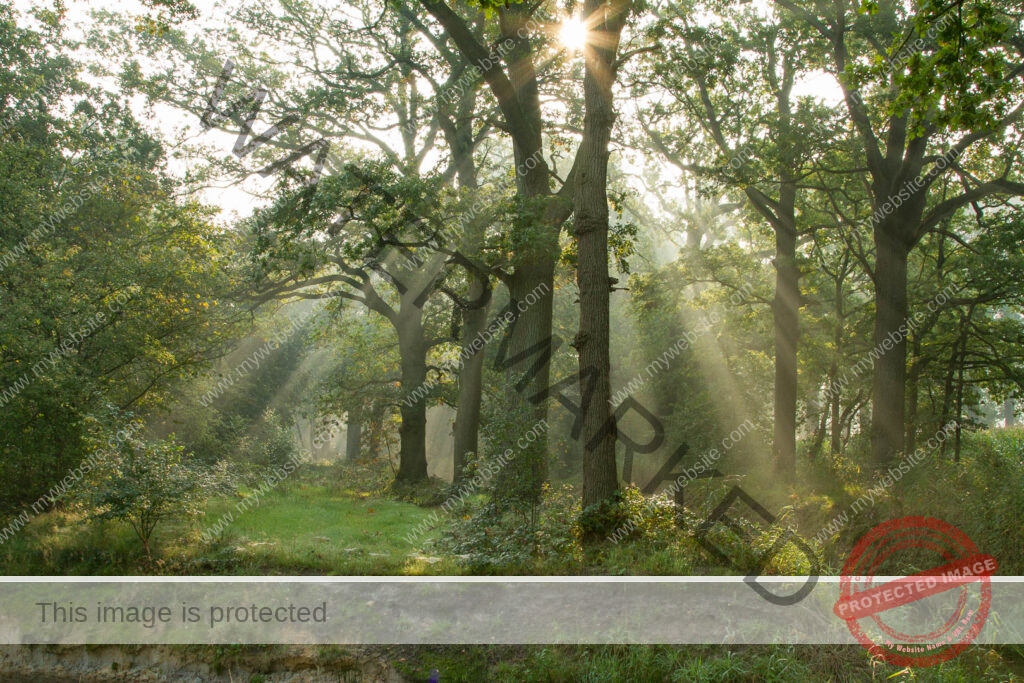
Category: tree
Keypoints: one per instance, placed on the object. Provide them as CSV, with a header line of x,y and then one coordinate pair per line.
x,y
312,250
604,23
111,284
359,357
889,65
360,92
513,79
735,81
967,345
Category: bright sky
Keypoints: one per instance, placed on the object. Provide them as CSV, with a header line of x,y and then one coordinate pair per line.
x,y
234,200
171,123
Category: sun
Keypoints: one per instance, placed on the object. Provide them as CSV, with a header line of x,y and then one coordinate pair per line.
x,y
573,34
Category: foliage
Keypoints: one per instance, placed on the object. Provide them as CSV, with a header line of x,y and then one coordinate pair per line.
x,y
514,488
113,285
961,76
487,539
982,495
358,357
269,445
147,483
597,521
692,664
249,421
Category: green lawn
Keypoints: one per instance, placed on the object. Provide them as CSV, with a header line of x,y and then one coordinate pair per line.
x,y
311,529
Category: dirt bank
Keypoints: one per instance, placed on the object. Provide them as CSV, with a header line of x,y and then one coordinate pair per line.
x,y
194,664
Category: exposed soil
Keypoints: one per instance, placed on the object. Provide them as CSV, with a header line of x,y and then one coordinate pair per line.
x,y
192,664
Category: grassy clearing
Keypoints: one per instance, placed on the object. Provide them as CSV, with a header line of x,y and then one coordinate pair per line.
x,y
305,529
314,530
349,521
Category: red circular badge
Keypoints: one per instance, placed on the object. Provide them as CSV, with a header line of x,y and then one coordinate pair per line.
x,y
952,597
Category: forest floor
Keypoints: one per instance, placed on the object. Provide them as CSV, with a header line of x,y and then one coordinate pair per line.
x,y
348,519
302,530
493,664
345,520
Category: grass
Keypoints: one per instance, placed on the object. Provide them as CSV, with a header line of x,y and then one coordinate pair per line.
x,y
341,525
312,529
304,529
692,664
983,496
582,663
352,520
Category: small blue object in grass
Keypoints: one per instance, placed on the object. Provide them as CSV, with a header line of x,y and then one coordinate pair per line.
x,y
435,676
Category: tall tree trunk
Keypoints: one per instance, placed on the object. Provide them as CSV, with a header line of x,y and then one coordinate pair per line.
x,y
819,436
965,327
913,388
532,281
890,371
786,312
1009,408
377,434
836,393
533,264
533,276
354,433
590,205
412,465
467,419
466,430
836,426
947,390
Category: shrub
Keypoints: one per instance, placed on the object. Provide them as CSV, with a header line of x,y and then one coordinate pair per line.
x,y
487,538
270,443
148,482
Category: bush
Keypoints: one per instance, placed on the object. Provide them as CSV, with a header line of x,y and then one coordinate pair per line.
x,y
597,521
147,482
982,495
269,444
488,539
517,484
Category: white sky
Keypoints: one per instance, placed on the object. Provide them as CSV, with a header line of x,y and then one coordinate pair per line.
x,y
172,123
167,123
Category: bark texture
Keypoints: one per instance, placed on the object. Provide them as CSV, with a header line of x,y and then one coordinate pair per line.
x,y
590,204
